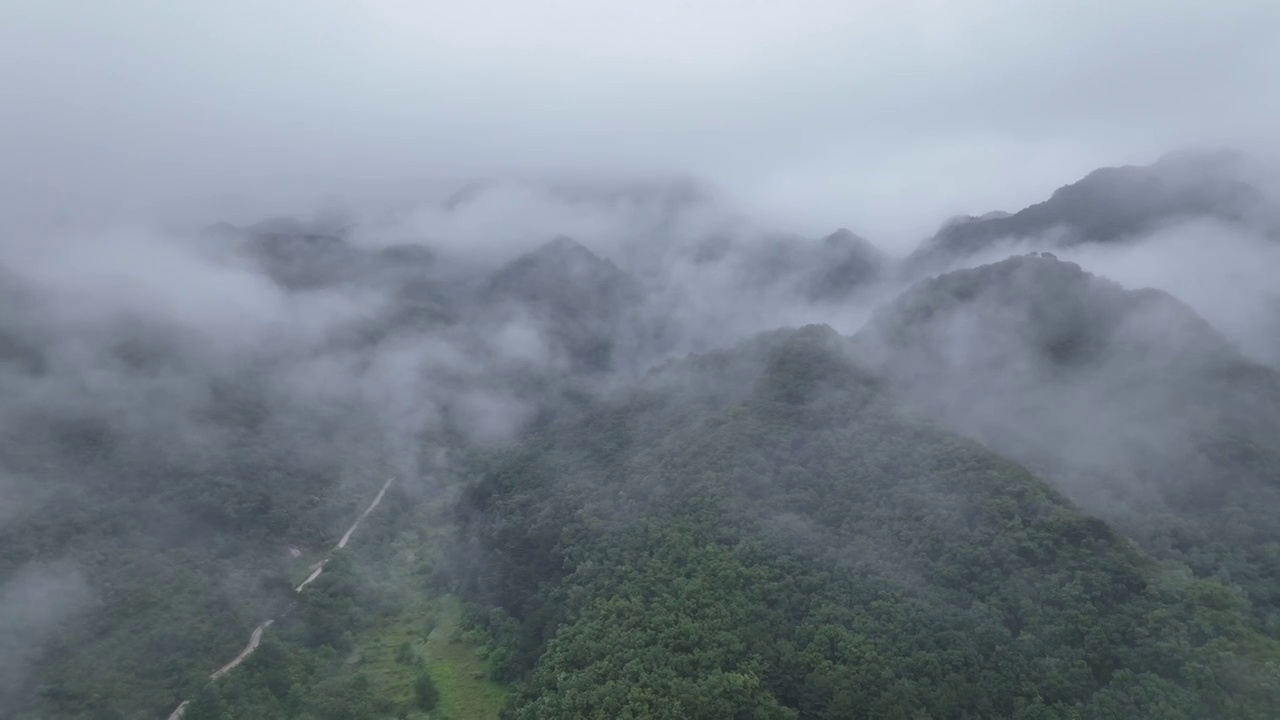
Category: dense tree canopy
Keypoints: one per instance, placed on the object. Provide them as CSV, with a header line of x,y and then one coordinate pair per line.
x,y
804,550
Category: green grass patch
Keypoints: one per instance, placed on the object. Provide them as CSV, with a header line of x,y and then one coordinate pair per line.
x,y
422,635
466,692
420,638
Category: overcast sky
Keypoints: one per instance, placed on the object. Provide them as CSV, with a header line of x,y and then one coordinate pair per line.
x,y
885,117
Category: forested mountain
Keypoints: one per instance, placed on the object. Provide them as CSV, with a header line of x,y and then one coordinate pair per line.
x,y
1127,400
584,304
300,257
762,533
830,269
147,513
615,488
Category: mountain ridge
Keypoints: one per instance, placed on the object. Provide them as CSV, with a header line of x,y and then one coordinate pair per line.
x,y
1109,205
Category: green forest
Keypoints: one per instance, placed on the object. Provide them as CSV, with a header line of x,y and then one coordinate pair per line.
x,y
657,360
801,525
799,548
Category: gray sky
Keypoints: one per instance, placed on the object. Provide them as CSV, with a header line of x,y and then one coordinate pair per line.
x,y
885,117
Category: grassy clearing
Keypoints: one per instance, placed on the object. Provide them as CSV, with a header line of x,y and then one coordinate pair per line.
x,y
378,657
421,635
421,638
466,692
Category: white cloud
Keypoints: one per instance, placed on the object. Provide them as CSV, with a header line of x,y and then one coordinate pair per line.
x,y
883,116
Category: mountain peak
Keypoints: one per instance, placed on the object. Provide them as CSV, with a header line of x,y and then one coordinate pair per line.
x,y
561,268
557,260
1037,308
563,244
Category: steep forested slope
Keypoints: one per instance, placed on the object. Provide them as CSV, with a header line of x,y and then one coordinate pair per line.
x,y
1126,400
761,534
153,480
584,305
831,269
171,553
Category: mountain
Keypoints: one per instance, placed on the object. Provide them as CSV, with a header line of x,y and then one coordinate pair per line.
x,y
829,270
1051,312
586,307
1126,400
339,479
762,532
1111,205
152,473
301,256
304,257
563,275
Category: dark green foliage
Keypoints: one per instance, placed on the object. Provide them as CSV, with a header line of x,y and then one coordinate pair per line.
x,y
301,669
585,305
1127,401
181,553
806,552
767,532
405,654
167,606
425,694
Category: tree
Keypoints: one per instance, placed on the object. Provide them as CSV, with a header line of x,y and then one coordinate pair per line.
x,y
425,693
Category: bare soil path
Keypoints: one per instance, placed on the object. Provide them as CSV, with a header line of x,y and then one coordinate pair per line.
x,y
255,638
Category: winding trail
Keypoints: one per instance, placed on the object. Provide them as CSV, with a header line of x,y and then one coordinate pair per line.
x,y
319,568
377,499
255,638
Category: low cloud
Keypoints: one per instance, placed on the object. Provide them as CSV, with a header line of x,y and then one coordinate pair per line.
x,y
1225,271
35,603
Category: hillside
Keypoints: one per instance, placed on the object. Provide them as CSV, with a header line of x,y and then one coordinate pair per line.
x,y
1021,491
647,361
1126,400
584,305
761,533
831,269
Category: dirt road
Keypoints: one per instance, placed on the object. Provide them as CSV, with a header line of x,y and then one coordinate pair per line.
x,y
377,499
255,638
346,536
319,568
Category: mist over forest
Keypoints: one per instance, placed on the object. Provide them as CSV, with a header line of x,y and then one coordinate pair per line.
x,y
508,363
